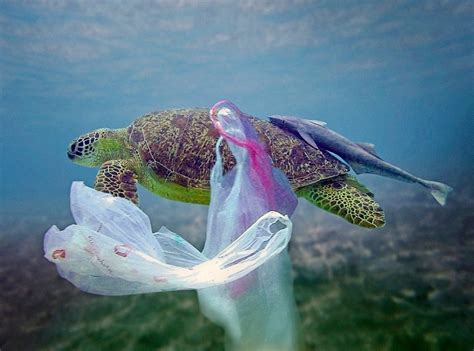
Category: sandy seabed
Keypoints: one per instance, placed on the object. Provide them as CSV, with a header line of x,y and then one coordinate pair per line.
x,y
407,286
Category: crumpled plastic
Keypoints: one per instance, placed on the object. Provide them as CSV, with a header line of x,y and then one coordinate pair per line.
x,y
111,249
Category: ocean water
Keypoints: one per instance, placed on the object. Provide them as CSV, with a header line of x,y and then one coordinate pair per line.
x,y
396,74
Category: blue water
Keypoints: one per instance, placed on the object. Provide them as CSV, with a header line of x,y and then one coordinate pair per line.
x,y
396,74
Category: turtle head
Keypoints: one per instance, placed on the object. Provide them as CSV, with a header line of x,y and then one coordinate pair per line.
x,y
101,145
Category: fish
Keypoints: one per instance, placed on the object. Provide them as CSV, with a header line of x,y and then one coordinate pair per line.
x,y
361,157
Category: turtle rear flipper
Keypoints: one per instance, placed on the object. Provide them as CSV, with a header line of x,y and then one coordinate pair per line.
x,y
115,177
347,198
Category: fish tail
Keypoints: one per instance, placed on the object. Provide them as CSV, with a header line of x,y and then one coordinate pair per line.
x,y
439,190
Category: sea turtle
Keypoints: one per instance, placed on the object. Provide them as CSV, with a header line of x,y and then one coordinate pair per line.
x,y
171,153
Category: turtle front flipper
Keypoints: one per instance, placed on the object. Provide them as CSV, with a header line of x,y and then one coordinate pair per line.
x,y
115,177
347,198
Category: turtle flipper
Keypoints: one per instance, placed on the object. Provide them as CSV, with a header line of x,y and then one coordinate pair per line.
x,y
115,177
346,197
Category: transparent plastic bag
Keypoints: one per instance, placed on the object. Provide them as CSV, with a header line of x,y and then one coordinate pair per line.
x,y
112,250
257,311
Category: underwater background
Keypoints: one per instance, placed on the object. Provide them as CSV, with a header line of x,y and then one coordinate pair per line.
x,y
399,74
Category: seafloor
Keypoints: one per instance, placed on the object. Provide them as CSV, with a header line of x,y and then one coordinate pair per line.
x,y
408,286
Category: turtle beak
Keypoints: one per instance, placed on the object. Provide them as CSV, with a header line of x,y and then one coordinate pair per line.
x,y
71,151
70,155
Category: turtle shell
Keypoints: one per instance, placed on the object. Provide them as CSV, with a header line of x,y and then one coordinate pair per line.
x,y
179,146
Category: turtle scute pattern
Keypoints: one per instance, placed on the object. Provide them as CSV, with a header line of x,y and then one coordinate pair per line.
x,y
353,203
114,178
178,146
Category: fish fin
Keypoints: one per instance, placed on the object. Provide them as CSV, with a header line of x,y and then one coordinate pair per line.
x,y
307,138
357,167
370,148
439,191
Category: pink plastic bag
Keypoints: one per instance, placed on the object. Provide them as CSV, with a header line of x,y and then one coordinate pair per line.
x,y
258,311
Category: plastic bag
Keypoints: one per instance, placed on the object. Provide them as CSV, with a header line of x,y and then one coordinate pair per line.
x,y
112,250
257,311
